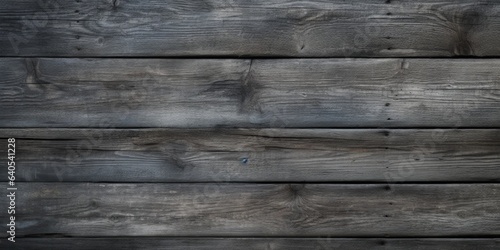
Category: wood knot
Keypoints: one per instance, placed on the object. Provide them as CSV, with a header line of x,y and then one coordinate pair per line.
x,y
116,217
93,204
463,24
295,189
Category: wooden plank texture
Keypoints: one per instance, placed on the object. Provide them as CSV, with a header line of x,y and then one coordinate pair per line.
x,y
255,155
133,243
246,124
313,28
333,210
249,93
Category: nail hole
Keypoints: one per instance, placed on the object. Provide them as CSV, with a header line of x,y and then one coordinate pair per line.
x,y
387,104
389,13
388,119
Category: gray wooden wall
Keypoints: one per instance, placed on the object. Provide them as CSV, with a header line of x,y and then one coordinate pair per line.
x,y
245,124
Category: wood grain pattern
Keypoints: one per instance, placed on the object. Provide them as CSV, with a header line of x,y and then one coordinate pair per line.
x,y
153,243
241,124
249,93
336,210
256,155
313,28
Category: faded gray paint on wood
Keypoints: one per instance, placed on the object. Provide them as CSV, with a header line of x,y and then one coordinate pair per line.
x,y
249,93
256,155
154,243
337,210
313,28
211,93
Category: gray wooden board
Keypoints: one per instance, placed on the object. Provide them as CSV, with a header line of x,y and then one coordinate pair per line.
x,y
192,93
154,243
335,210
210,180
314,28
255,155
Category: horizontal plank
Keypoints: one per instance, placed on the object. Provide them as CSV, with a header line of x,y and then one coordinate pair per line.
x,y
132,243
334,210
191,93
313,28
255,155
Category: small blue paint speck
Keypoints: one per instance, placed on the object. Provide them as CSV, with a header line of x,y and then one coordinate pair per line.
x,y
244,160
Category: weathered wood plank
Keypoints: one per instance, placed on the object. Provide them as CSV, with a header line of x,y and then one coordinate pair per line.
x,y
262,155
334,210
314,28
133,243
249,93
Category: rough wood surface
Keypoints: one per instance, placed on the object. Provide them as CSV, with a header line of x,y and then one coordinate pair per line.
x,y
256,155
150,243
335,210
313,28
214,120
191,93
